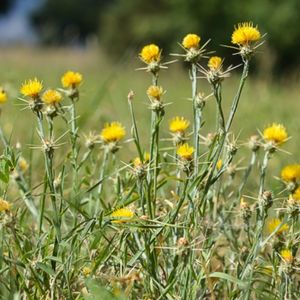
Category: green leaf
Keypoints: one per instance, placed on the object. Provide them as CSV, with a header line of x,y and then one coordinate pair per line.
x,y
47,269
227,277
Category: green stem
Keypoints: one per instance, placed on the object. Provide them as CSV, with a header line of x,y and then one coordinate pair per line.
x,y
196,125
237,97
101,179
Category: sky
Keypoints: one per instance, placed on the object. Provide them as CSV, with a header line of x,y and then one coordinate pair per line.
x,y
15,25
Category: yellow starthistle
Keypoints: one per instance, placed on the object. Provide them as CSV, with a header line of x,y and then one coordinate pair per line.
x,y
245,33
215,63
155,92
275,133
71,79
185,152
178,124
150,53
112,132
51,97
290,173
122,215
86,271
3,96
287,256
4,205
137,161
191,41
219,164
296,194
23,164
31,88
244,204
274,223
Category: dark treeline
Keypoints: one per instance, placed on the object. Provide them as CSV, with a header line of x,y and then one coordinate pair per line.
x,y
121,24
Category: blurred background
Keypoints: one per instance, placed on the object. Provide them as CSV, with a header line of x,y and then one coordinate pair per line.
x,y
102,39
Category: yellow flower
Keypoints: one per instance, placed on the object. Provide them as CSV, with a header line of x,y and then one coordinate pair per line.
x,y
219,164
86,271
4,205
179,124
275,133
3,96
185,152
137,161
245,33
244,204
191,40
287,256
23,164
122,215
274,223
71,79
215,63
290,172
51,97
31,88
150,53
296,194
155,92
112,132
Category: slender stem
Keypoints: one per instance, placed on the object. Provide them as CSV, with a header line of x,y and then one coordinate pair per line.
x,y
237,97
48,155
196,125
218,95
101,179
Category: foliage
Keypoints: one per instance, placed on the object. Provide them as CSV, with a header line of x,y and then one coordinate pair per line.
x,y
175,222
127,24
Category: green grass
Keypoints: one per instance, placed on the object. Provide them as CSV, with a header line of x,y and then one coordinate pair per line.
x,y
192,241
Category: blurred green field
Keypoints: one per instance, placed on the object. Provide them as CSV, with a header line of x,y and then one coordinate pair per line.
x,y
107,83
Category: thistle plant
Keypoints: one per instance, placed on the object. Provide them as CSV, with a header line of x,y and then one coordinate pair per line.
x,y
197,213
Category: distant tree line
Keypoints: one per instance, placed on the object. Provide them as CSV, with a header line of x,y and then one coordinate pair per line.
x,y
5,5
122,24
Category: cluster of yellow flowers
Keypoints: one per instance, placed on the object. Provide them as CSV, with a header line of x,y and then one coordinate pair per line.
x,y
33,87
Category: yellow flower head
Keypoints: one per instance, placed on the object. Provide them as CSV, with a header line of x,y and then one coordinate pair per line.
x,y
287,256
122,215
155,92
185,152
219,164
215,63
245,33
190,41
31,88
179,124
243,203
275,133
290,173
4,205
86,271
51,97
3,96
137,161
296,194
150,53
71,79
274,223
112,132
23,164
